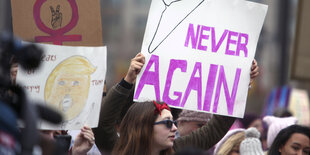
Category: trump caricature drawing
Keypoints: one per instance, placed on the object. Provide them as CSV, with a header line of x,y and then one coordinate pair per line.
x,y
67,86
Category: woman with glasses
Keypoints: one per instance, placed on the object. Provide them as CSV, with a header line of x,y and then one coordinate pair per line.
x,y
148,127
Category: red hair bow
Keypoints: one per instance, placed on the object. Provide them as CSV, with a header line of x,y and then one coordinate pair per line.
x,y
160,107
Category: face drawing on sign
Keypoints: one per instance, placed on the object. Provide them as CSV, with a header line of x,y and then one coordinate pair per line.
x,y
56,17
68,84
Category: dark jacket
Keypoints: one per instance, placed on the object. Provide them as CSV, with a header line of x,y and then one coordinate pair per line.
x,y
120,97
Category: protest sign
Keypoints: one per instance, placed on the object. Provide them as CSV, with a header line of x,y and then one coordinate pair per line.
x,y
70,79
60,22
299,106
199,53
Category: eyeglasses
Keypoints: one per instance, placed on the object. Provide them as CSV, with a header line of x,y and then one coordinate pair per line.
x,y
168,123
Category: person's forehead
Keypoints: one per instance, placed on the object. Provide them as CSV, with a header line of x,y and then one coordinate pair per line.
x,y
14,65
299,137
166,114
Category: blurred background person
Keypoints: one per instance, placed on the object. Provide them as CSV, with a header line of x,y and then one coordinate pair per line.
x,y
82,143
190,121
251,145
231,143
294,139
275,125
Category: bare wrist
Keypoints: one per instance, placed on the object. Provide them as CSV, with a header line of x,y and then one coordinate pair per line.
x,y
129,80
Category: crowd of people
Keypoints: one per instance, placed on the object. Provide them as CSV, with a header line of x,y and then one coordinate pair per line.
x,y
153,128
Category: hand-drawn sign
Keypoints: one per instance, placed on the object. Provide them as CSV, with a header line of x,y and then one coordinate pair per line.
x,y
68,85
56,36
70,81
157,39
56,17
198,54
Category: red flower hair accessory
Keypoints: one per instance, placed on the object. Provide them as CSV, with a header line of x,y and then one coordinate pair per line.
x,y
159,107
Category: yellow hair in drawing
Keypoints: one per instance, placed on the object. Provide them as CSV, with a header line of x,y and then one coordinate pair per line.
x,y
68,84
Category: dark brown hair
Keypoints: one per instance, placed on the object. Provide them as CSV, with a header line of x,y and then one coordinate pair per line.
x,y
136,131
284,135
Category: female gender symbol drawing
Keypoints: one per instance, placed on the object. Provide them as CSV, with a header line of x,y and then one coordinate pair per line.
x,y
56,36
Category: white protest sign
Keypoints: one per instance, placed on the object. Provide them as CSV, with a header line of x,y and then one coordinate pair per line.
x,y
70,79
199,54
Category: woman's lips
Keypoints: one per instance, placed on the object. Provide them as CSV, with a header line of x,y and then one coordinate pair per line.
x,y
171,137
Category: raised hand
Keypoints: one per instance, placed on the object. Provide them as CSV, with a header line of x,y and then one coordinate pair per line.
x,y
83,142
135,67
254,71
56,17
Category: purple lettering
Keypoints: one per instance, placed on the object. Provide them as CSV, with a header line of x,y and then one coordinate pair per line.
x,y
215,46
230,100
202,36
191,35
150,78
174,64
230,41
242,46
210,87
194,84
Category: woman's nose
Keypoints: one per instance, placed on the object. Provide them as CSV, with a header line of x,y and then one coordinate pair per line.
x,y
174,127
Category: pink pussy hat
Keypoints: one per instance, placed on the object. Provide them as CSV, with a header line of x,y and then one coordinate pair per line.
x,y
275,125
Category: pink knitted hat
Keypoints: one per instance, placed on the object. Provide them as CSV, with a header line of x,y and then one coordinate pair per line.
x,y
275,125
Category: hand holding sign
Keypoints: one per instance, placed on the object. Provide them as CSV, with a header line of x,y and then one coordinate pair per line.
x,y
254,71
84,141
205,63
135,67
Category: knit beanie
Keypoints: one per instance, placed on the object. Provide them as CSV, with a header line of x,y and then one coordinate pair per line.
x,y
188,115
251,145
275,125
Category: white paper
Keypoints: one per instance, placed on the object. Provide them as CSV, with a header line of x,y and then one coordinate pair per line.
x,y
182,40
70,79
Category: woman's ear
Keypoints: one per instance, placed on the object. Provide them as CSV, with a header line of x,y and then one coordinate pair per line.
x,y
280,148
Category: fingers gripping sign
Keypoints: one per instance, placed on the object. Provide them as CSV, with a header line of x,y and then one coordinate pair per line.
x,y
254,71
84,141
135,67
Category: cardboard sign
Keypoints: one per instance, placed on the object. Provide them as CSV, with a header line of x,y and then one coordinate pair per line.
x,y
70,79
299,106
199,53
59,22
